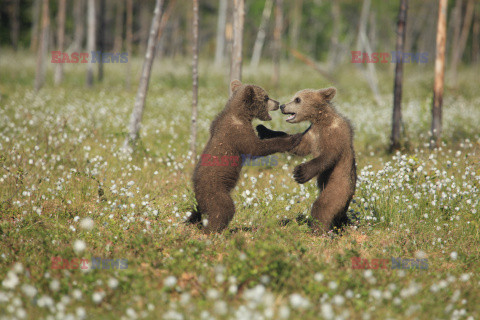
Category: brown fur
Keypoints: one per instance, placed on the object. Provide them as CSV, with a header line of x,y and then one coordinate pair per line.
x,y
330,141
232,134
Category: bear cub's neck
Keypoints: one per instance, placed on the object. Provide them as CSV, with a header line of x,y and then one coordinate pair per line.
x,y
325,117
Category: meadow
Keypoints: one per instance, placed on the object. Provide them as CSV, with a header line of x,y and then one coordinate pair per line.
x,y
66,191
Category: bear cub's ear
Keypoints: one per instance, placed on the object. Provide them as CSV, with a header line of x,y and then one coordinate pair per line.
x,y
234,85
328,94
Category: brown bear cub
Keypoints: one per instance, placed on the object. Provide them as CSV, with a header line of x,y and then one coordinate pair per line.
x,y
330,140
231,136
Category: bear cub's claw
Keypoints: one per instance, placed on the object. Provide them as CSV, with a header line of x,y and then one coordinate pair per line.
x,y
300,173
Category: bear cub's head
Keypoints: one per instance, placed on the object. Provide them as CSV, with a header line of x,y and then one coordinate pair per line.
x,y
308,104
255,100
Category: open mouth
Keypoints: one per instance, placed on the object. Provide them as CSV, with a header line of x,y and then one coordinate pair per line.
x,y
291,116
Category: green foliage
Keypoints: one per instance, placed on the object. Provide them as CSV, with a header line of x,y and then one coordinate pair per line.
x,y
60,147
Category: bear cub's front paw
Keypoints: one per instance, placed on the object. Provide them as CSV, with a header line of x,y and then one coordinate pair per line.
x,y
302,174
263,132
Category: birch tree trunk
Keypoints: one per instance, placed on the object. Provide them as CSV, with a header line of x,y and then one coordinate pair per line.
x,y
220,44
439,75
42,48
476,36
144,26
277,38
79,18
101,38
259,41
455,25
60,39
462,42
397,88
334,39
128,39
137,114
15,23
36,14
117,43
167,12
90,39
238,21
193,128
364,45
295,24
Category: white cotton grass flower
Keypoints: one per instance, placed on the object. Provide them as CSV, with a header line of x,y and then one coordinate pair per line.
x,y
77,294
18,268
131,313
45,302
170,281
420,254
318,277
338,300
81,313
213,294
79,246
29,290
86,224
332,285
98,296
233,289
255,294
327,311
21,313
454,255
465,277
220,307
297,301
113,283
11,280
54,285
284,312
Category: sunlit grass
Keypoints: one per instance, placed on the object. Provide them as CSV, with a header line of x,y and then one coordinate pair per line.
x,y
60,166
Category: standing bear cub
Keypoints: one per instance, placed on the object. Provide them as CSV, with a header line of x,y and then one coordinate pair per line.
x,y
231,136
330,140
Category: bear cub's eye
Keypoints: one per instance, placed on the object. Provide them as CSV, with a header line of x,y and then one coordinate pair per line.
x,y
297,100
267,98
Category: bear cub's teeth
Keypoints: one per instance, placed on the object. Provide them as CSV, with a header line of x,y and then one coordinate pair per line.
x,y
291,117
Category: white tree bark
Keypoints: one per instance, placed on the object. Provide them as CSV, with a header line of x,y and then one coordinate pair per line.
x,y
222,20
90,39
439,75
138,108
462,41
60,39
260,40
364,45
277,40
42,48
238,21
193,128
128,40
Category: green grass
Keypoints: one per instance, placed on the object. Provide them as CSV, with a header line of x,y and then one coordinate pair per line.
x,y
60,146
